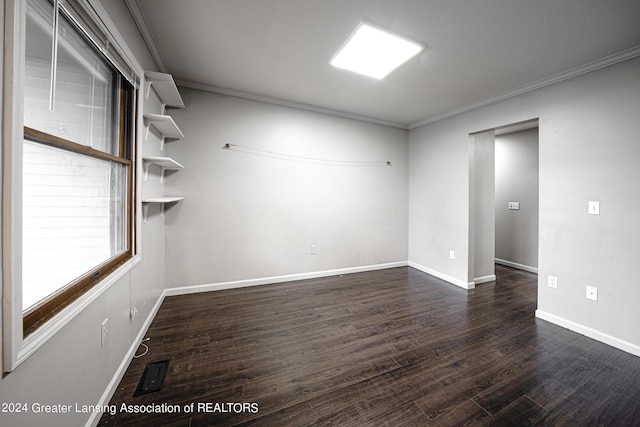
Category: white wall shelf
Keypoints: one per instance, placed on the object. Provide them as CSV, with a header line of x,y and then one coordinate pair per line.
x,y
158,200
165,199
168,96
164,163
165,87
163,124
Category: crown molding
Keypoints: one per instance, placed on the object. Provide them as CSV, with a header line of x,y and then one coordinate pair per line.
x,y
141,22
566,75
286,103
569,74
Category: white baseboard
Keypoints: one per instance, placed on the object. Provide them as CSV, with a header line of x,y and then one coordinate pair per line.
x,y
94,419
590,332
446,278
516,265
278,279
484,279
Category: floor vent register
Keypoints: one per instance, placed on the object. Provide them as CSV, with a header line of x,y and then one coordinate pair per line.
x,y
152,378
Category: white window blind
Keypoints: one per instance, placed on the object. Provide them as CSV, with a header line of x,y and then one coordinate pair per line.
x,y
73,217
74,213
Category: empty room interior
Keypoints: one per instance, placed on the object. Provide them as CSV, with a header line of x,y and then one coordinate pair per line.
x,y
246,213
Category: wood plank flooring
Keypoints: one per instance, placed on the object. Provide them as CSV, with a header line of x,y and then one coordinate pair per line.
x,y
394,347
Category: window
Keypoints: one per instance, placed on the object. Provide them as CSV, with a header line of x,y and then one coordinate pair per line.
x,y
77,167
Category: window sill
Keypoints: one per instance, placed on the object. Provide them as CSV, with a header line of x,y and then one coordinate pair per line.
x,y
47,331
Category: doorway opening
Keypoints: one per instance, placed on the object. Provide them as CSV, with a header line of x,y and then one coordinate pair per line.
x,y
516,199
503,200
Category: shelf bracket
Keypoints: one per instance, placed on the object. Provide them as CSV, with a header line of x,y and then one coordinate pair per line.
x,y
146,167
145,212
148,90
146,137
162,171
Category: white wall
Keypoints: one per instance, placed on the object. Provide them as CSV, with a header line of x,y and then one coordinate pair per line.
x,y
439,200
516,178
482,217
588,133
247,215
72,367
2,62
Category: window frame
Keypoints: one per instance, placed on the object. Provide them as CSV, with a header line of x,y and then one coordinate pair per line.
x,y
17,346
38,314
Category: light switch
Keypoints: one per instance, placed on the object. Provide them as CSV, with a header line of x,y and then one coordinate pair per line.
x,y
514,206
594,208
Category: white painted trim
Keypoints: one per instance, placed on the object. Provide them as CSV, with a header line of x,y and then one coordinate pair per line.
x,y
122,45
47,331
575,72
484,279
2,106
147,35
590,332
138,16
94,419
16,348
141,23
516,265
461,283
119,374
185,290
285,103
12,137
624,55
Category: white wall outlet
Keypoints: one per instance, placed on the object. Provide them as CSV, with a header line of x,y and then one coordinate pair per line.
x,y
104,332
514,206
594,208
452,255
553,282
592,293
313,249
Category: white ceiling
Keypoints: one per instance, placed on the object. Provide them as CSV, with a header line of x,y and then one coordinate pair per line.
x,y
477,50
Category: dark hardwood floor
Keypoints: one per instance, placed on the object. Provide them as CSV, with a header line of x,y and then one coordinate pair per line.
x,y
394,347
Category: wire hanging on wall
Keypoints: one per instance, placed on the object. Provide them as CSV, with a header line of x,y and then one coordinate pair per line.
x,y
267,153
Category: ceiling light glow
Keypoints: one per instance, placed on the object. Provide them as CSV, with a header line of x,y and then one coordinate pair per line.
x,y
374,52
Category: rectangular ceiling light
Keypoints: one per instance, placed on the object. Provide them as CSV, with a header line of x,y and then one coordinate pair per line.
x,y
374,52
